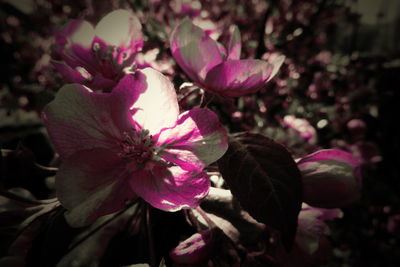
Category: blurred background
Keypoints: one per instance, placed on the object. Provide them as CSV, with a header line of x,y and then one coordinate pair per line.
x,y
338,87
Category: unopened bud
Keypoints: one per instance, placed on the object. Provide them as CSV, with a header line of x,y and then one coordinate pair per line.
x,y
196,248
331,178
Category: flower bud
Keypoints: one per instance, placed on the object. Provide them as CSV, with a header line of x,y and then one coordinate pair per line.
x,y
357,127
301,127
331,178
312,247
195,249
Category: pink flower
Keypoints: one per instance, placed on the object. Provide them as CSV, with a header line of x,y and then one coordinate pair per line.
x,y
312,227
130,143
215,68
331,178
98,56
357,128
301,127
312,248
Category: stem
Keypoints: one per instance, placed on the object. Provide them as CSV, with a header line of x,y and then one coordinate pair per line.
x,y
210,223
150,238
203,97
206,99
192,220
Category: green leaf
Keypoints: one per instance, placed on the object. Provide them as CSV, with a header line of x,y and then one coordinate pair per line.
x,y
266,181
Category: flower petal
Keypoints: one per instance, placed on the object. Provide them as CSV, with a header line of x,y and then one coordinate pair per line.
x,y
170,189
78,32
194,51
310,229
331,178
99,82
157,106
78,119
312,226
120,28
90,184
70,75
236,78
331,154
197,140
74,43
235,44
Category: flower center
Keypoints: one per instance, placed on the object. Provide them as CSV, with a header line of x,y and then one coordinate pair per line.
x,y
112,60
137,147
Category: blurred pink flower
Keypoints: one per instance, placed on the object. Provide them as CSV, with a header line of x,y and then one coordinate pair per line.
x,y
301,127
368,152
357,128
130,143
186,8
331,178
216,68
97,56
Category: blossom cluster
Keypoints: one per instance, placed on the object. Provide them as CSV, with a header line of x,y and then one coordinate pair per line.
x,y
123,133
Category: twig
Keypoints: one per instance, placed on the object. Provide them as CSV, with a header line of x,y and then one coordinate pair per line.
x,y
150,238
210,223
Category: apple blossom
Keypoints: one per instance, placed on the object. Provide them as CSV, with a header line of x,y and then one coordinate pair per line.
x,y
301,127
97,56
130,143
216,69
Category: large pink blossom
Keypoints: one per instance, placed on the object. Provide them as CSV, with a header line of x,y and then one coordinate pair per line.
x,y
216,68
97,56
130,143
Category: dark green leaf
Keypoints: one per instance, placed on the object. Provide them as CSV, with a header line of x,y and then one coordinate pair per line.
x,y
264,178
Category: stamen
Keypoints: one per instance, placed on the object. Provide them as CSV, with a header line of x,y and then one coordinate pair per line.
x,y
137,146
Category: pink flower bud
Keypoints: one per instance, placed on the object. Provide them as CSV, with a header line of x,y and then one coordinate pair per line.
x,y
312,247
301,127
357,128
195,249
331,178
